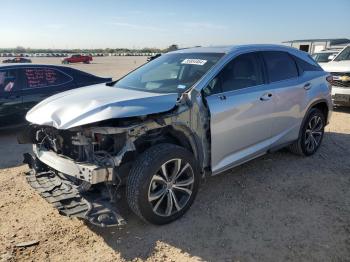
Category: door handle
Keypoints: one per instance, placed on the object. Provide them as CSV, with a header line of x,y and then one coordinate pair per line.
x,y
12,97
222,97
307,86
266,97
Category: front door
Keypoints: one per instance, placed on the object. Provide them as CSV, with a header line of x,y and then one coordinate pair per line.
x,y
241,110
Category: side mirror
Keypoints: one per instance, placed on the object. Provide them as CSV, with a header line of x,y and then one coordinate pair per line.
x,y
331,57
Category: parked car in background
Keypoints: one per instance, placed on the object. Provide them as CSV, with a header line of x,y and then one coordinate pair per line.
x,y
150,58
23,86
159,129
325,56
86,59
17,60
339,67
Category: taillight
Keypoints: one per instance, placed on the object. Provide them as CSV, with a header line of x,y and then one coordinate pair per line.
x,y
329,79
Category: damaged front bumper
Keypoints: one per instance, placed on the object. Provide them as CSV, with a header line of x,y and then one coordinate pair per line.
x,y
69,198
88,172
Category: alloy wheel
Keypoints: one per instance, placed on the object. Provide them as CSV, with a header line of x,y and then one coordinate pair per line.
x,y
171,187
313,133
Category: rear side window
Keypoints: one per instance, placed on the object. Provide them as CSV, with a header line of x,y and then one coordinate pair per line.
x,y
280,66
39,77
9,80
85,79
304,66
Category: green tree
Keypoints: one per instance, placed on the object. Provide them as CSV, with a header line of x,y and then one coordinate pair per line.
x,y
173,47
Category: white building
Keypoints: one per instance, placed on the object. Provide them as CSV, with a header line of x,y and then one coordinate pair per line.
x,y
315,45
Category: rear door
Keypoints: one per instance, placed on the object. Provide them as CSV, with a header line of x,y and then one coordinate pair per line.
x,y
289,95
240,112
11,109
42,82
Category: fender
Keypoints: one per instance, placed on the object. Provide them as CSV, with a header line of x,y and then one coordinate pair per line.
x,y
194,141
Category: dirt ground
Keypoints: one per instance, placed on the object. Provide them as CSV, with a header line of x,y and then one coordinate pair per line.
x,y
279,207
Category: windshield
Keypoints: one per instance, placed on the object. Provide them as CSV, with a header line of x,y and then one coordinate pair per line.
x,y
322,57
170,73
344,55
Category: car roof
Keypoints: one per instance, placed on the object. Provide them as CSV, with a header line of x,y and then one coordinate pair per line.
x,y
237,48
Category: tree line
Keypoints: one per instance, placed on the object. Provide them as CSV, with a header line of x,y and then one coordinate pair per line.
x,y
21,50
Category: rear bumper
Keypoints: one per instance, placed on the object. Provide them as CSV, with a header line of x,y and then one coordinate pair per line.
x,y
69,198
341,95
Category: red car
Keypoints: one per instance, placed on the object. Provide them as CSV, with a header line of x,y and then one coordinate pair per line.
x,y
86,59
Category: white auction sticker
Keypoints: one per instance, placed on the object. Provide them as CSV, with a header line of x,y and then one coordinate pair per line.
x,y
194,62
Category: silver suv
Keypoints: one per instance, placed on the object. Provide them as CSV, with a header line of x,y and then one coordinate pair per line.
x,y
159,129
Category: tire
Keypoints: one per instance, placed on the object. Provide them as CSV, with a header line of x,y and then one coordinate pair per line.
x,y
149,194
313,125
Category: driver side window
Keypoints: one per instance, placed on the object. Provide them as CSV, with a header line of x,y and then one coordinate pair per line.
x,y
242,72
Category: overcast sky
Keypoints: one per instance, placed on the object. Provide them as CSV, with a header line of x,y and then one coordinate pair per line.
x,y
141,23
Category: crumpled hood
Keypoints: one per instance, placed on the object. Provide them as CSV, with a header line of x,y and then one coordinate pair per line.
x,y
96,103
337,66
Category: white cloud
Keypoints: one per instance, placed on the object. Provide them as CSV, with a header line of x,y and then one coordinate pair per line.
x,y
136,26
203,25
54,26
136,12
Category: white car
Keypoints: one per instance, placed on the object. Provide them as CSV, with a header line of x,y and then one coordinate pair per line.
x,y
325,56
340,70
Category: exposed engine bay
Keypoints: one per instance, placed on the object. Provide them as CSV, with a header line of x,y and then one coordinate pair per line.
x,y
80,170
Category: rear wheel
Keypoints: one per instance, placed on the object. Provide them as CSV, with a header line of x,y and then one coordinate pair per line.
x,y
311,134
162,183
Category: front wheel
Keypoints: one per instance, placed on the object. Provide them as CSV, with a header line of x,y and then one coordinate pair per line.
x,y
163,183
311,134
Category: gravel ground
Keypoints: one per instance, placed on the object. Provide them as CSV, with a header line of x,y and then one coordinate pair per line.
x,y
279,207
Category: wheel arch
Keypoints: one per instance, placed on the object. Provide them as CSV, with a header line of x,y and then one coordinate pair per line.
x,y
296,146
177,134
322,105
